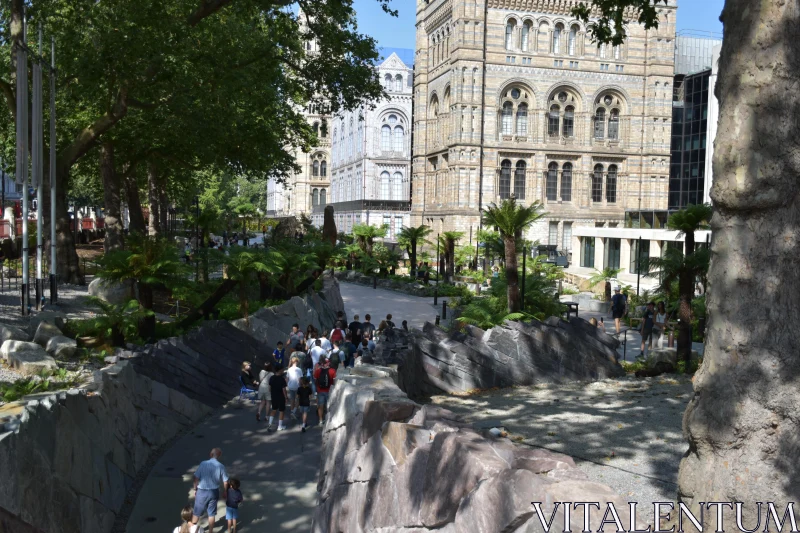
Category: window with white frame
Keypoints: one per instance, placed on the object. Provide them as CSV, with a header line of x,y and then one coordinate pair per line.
x,y
385,190
397,186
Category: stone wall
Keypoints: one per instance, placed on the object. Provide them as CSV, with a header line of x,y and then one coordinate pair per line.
x,y
69,458
391,465
513,353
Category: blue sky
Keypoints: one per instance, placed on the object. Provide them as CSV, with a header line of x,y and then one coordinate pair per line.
x,y
398,32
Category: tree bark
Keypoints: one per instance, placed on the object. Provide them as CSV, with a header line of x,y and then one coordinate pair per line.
x,y
147,325
111,198
742,423
512,275
163,206
68,268
413,257
152,199
137,224
207,306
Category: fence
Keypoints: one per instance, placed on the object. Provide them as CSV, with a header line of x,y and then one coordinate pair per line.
x,y
11,273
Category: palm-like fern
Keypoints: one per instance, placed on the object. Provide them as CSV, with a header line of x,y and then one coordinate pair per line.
x,y
411,238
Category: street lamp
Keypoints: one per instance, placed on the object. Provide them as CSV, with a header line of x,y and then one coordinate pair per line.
x,y
438,273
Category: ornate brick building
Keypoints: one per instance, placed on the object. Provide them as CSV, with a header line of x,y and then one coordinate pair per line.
x,y
514,98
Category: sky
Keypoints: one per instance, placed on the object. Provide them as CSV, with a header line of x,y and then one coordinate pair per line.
x,y
701,15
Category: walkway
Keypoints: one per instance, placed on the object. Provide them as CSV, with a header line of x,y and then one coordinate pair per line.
x,y
361,299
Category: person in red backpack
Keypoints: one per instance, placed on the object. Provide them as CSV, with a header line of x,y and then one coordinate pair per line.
x,y
324,376
338,333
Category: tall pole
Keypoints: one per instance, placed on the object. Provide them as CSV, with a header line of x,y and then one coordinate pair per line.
x,y
22,156
438,273
524,257
638,265
38,166
53,284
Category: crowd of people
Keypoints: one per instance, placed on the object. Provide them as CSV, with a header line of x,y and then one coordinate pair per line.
x,y
654,322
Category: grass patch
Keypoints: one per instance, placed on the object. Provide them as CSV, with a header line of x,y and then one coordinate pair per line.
x,y
36,384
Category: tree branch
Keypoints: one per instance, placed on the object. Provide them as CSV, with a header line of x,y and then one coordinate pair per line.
x,y
209,7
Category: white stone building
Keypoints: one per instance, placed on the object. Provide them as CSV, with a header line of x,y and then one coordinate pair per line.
x,y
371,155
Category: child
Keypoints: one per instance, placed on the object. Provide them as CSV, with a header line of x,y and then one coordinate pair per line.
x,y
232,502
278,353
304,399
187,526
277,387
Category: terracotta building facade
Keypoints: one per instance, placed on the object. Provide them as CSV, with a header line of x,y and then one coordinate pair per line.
x,y
513,98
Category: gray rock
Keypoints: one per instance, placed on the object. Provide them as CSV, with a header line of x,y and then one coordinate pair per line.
x,y
12,333
57,318
27,357
44,332
111,292
61,347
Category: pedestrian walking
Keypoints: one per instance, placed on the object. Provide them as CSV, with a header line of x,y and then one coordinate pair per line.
x,y
187,526
324,377
293,376
647,326
619,304
304,393
263,391
355,330
277,387
207,479
234,498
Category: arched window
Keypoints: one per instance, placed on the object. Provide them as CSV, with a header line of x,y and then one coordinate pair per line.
x,y
559,29
613,125
597,184
566,182
399,137
386,138
551,187
360,140
519,180
323,168
397,186
511,25
611,184
336,156
323,197
617,53
603,51
526,35
387,82
553,121
522,119
315,169
508,119
351,138
573,38
569,121
398,83
315,127
323,129
600,123
385,186
505,179
315,197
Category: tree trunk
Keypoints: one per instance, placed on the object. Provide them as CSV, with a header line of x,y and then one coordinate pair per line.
x,y
68,269
686,290
607,290
111,198
742,422
147,325
137,224
451,261
152,199
163,206
512,275
329,233
207,306
413,257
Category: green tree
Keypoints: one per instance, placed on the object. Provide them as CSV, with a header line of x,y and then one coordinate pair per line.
x,y
511,220
366,235
605,275
411,238
448,241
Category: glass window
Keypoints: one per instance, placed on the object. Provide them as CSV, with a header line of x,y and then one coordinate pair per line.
x,y
557,38
315,169
508,119
386,138
397,186
553,121
526,30
611,184
315,197
611,253
587,252
323,197
519,180
613,125
566,238
385,186
644,253
553,237
505,179
597,184
573,37
323,169
510,27
522,119
398,83
566,182
600,124
552,182
399,138
569,121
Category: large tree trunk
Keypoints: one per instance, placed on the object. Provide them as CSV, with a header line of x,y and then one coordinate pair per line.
x,y
137,223
111,198
451,261
147,325
153,199
512,275
163,206
413,258
68,269
742,422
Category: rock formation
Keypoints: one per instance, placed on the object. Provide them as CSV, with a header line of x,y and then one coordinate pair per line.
x,y
390,465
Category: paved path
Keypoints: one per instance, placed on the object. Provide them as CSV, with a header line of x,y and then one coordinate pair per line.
x,y
362,299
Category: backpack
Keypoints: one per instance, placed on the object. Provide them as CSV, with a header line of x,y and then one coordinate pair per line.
x,y
324,379
335,359
618,303
337,335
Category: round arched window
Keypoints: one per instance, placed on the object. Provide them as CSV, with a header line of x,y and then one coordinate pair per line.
x,y
562,97
515,93
608,100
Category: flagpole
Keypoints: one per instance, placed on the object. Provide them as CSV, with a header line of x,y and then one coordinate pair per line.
x,y
22,157
53,284
38,167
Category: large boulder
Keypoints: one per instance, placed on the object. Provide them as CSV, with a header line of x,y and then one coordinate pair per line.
x,y
57,318
45,332
12,333
111,292
61,347
27,357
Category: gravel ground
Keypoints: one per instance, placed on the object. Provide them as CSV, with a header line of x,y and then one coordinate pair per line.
x,y
71,300
625,433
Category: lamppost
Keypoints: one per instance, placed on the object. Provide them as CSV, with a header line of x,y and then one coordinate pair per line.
x,y
524,257
438,273
638,263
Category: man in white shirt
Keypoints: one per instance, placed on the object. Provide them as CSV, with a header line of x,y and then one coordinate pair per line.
x,y
316,352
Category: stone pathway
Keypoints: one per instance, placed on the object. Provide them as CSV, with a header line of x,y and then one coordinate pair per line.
x,y
625,433
362,299
278,473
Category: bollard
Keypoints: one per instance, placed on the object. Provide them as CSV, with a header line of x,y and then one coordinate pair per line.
x,y
444,309
437,320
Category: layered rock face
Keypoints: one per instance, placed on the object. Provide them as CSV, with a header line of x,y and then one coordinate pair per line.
x,y
68,465
513,353
390,465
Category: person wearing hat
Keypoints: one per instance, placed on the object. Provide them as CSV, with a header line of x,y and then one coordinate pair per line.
x,y
619,304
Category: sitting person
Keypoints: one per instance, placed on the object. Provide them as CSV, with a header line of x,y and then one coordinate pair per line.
x,y
247,378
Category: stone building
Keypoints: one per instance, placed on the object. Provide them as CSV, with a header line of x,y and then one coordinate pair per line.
x,y
371,155
310,186
513,98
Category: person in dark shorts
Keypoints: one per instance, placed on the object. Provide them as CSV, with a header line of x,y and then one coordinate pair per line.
x,y
618,306
304,399
355,330
277,389
647,326
232,501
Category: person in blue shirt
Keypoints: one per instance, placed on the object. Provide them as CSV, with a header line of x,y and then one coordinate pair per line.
x,y
207,479
278,353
